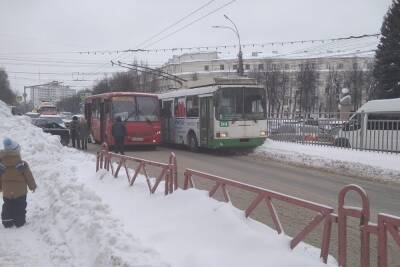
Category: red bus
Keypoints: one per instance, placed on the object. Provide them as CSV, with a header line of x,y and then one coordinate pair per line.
x,y
138,111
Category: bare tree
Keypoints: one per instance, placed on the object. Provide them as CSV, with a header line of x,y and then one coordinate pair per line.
x,y
6,94
354,80
307,83
333,86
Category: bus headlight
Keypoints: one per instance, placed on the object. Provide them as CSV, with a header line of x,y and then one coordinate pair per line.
x,y
221,135
263,133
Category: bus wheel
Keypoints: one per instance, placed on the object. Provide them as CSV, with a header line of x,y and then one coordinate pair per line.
x,y
193,145
342,142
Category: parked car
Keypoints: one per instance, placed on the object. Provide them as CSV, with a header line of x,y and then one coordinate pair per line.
x,y
54,125
32,114
66,117
299,132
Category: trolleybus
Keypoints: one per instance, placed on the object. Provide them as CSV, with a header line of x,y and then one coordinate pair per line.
x,y
220,113
138,111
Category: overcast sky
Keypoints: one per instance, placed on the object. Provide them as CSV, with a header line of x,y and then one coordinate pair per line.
x,y
47,27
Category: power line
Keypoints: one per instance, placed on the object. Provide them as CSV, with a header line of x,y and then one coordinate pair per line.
x,y
175,23
331,41
62,73
191,23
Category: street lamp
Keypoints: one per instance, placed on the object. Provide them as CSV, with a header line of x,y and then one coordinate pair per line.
x,y
240,69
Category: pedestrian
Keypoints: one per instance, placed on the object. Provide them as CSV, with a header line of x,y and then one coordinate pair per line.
x,y
119,133
84,133
74,132
15,176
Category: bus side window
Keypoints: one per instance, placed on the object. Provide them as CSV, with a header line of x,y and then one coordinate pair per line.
x,y
386,121
180,110
166,111
107,106
94,108
192,106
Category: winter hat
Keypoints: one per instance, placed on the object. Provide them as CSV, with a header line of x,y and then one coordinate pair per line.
x,y
10,144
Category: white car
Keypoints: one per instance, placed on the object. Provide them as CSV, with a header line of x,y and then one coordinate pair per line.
x,y
375,126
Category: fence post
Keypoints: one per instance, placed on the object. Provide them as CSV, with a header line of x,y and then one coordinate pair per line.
x,y
382,242
363,214
174,170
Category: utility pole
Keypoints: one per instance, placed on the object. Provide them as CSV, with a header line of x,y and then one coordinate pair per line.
x,y
240,69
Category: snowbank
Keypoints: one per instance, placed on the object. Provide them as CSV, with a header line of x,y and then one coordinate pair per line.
x,y
81,218
373,165
68,223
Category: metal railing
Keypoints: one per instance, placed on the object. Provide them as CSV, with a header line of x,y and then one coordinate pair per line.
x,y
114,162
387,226
361,132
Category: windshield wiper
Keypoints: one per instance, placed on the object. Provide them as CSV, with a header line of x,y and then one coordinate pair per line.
x,y
130,115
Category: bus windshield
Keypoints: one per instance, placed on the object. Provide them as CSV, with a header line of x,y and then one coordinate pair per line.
x,y
140,108
240,104
147,108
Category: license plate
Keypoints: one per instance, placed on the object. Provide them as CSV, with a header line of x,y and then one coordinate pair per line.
x,y
137,139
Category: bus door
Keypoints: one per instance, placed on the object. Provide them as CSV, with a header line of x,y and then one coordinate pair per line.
x,y
167,122
206,120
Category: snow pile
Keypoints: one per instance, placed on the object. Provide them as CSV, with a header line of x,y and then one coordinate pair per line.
x,y
68,223
81,218
373,165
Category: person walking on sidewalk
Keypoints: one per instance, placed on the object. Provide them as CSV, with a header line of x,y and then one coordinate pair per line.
x,y
74,132
83,133
15,177
119,133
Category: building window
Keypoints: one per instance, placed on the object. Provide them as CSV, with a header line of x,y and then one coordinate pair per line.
x,y
355,66
206,67
340,66
247,66
260,66
235,67
222,67
286,66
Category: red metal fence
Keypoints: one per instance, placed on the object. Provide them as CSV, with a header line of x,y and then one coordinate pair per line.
x,y
114,162
387,226
386,223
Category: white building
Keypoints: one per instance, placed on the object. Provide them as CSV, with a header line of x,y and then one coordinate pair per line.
x,y
200,65
50,92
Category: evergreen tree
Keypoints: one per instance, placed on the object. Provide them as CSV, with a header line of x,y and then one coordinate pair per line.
x,y
387,58
6,94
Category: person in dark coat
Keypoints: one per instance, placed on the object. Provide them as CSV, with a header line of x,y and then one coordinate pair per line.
x,y
74,132
83,133
15,177
119,133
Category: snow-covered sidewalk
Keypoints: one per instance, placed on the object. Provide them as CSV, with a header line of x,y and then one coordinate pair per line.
x,y
78,217
373,165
